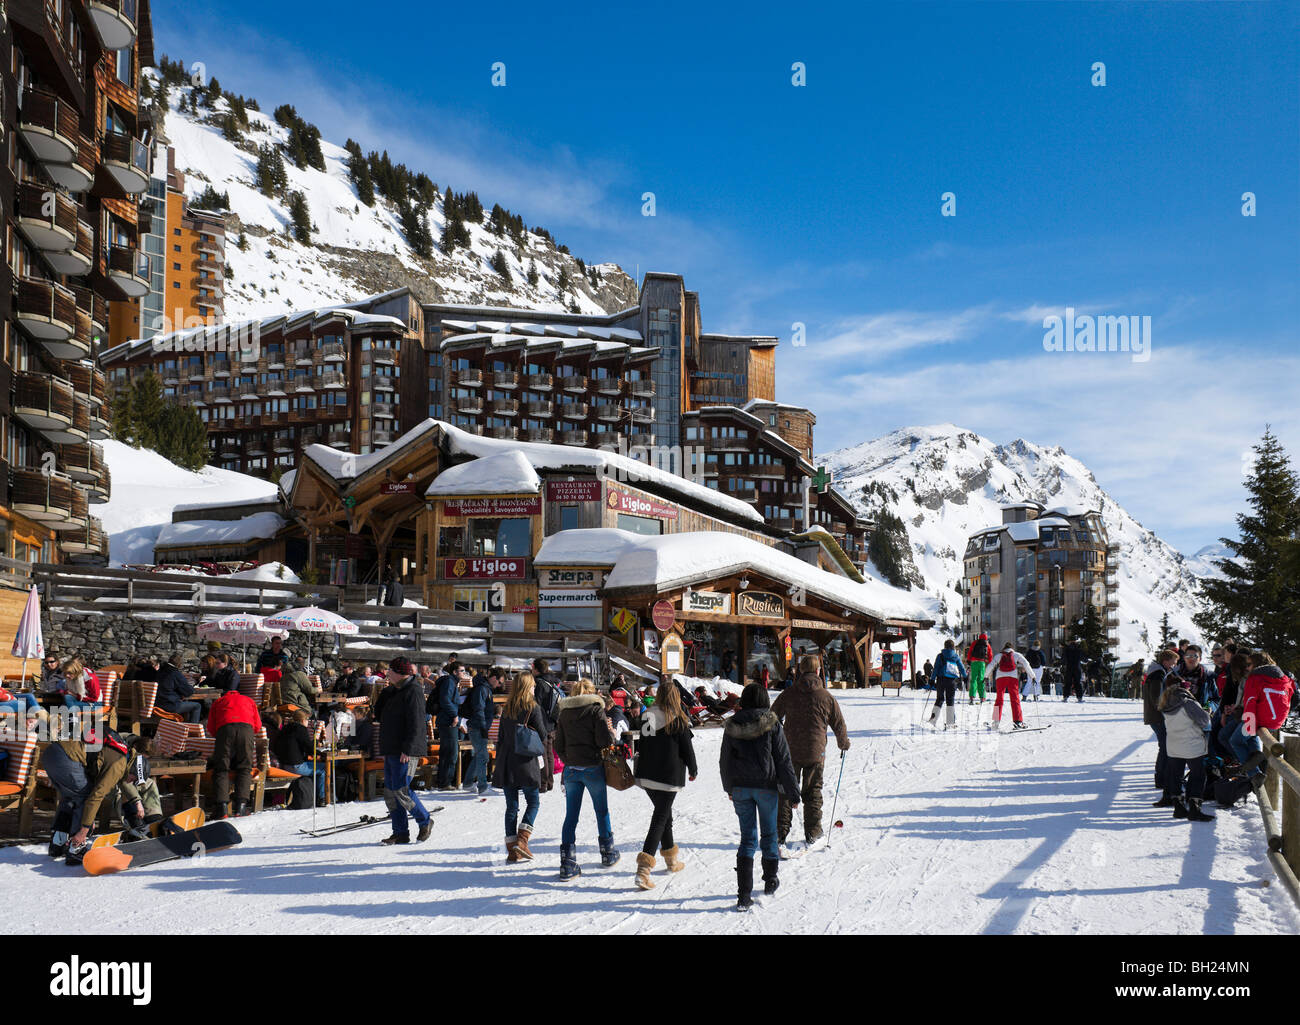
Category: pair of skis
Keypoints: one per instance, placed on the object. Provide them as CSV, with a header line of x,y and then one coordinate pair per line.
x,y
361,823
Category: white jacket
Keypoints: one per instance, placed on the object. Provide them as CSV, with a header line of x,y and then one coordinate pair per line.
x,y
1022,665
1185,725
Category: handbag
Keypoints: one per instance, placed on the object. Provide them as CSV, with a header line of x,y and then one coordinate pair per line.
x,y
527,743
617,774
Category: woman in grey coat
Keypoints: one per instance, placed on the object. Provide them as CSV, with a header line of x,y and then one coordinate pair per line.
x,y
1186,744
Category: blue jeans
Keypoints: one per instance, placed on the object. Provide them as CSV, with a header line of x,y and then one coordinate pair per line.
x,y
448,752
575,780
533,801
479,762
190,711
22,702
305,769
756,810
1162,758
1245,747
397,795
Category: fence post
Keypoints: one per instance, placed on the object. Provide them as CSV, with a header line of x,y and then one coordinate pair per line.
x,y
418,633
1291,808
1271,783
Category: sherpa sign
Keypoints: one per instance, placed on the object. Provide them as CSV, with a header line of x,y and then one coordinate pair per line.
x,y
570,578
73,978
706,601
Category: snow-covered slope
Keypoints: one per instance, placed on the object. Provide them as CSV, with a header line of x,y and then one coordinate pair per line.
x,y
356,250
147,487
946,483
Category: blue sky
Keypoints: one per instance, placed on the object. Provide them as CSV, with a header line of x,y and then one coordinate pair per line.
x,y
820,205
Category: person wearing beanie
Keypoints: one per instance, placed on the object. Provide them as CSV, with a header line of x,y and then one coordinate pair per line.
x,y
755,766
233,722
978,657
1033,687
402,740
807,710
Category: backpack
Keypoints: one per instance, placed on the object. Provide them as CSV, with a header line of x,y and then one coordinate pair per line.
x,y
1007,663
1228,792
345,786
550,700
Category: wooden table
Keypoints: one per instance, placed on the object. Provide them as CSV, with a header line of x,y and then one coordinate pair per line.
x,y
194,769
331,764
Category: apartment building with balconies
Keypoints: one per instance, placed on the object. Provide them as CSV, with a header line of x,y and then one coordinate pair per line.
x,y
77,162
1032,577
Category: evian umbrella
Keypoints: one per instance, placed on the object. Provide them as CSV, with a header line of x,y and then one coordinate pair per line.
x,y
28,642
240,628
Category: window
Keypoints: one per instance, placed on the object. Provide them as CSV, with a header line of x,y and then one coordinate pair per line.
x,y
473,599
568,517
583,619
512,537
639,524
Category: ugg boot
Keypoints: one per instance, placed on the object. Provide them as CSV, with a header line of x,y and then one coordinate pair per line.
x,y
671,859
744,882
608,853
1194,812
934,716
644,863
525,854
512,849
950,716
569,862
770,880
1180,808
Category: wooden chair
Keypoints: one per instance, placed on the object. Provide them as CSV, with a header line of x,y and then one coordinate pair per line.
x,y
253,685
18,788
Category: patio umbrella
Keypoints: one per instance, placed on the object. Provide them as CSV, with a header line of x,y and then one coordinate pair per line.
x,y
28,642
241,628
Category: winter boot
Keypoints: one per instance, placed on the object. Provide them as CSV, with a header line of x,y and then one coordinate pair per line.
x,y
78,851
512,849
222,812
1194,812
770,880
934,716
568,862
608,853
671,859
1180,808
425,830
644,863
744,882
396,839
1165,802
241,809
58,848
950,716
524,853
1018,726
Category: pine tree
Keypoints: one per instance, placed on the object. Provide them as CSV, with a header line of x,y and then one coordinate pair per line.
x,y
562,283
1167,638
146,409
889,549
1258,598
532,273
1091,632
300,217
500,265
181,437
272,178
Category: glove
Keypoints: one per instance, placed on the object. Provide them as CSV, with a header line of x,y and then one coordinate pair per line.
x,y
844,746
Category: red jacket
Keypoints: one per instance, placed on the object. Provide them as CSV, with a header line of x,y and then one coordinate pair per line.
x,y
984,657
1267,693
93,691
233,707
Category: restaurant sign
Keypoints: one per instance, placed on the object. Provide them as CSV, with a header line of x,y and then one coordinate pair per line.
x,y
398,487
638,505
573,491
485,569
761,604
524,505
706,601
570,577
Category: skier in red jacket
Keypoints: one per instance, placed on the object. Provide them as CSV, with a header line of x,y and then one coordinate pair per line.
x,y
234,722
1266,702
978,657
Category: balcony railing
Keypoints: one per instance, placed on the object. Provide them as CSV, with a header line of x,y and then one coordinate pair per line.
x,y
542,409
640,438
219,393
47,217
80,258
84,540
572,437
47,312
470,404
539,382
608,412
383,383
384,409
49,126
608,386
331,379
333,351
85,464
53,498
126,159
504,407
506,433
114,21
128,268
641,389
385,356
572,383
94,304
505,379
542,434
88,382
469,378
574,411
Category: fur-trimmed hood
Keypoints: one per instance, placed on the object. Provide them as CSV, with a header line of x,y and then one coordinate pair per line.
x,y
750,724
578,700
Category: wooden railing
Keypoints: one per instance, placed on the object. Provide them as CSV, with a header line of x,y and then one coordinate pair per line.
x,y
1284,842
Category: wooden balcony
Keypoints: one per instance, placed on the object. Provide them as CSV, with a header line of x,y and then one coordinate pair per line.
x,y
114,22
539,382
49,126
573,411
542,434
48,313
331,379
77,174
86,465
641,389
386,357
541,409
333,352
80,258
52,499
504,407
572,437
274,359
384,383
505,379
82,541
301,383
47,217
607,386
383,409
126,159
219,393
128,268
88,382
572,383
468,378
94,304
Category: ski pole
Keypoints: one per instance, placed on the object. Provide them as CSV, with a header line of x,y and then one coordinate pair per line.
x,y
835,801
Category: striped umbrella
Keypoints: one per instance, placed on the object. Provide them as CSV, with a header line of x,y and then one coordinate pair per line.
x,y
28,642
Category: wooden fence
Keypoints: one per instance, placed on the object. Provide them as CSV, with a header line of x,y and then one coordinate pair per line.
x,y
1283,842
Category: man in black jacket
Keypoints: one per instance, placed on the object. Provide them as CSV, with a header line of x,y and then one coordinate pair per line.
x,y
1160,675
403,738
173,688
224,676
1073,670
547,694
444,705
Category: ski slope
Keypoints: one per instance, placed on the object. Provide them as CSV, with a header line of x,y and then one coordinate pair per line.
x,y
964,832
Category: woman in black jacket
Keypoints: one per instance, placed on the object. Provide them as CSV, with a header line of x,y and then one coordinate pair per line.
x,y
515,772
582,734
664,756
755,764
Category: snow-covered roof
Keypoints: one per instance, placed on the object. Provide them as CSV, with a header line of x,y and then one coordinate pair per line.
x,y
506,473
547,343
286,480
201,533
235,503
344,466
1052,521
1071,510
1027,531
592,546
668,561
552,329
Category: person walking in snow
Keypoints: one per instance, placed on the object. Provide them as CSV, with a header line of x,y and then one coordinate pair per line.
x,y
665,759
581,736
518,771
806,711
1033,686
1006,680
403,739
1186,723
947,671
1073,670
978,657
756,773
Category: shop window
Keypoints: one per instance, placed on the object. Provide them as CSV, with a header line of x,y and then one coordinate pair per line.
x,y
585,619
451,541
639,524
504,537
471,599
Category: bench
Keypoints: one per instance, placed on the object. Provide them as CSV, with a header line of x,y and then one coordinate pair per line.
x,y
18,787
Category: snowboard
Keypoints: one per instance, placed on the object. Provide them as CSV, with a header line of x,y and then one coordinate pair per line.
x,y
190,818
213,836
